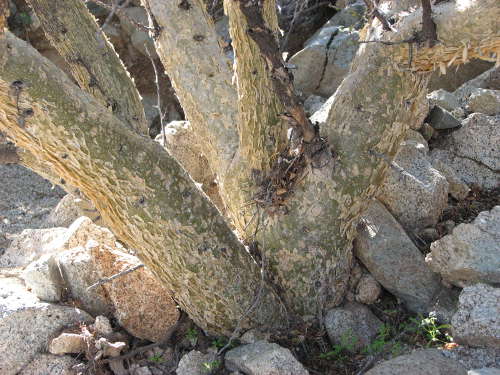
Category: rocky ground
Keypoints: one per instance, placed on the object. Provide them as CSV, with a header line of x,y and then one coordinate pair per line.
x,y
423,299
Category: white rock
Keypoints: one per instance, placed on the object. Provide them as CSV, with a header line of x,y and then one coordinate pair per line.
x,y
414,192
43,278
26,324
477,321
471,253
263,358
30,245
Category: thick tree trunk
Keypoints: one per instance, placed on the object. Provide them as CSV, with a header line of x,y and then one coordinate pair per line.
x,y
154,207
144,196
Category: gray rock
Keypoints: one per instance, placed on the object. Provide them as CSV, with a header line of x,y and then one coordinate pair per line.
x,y
368,290
443,99
456,187
489,79
49,364
484,101
472,151
263,358
30,245
352,325
350,16
484,371
26,324
43,278
454,78
420,362
391,257
477,321
69,209
467,170
414,192
194,362
471,253
324,61
313,103
440,119
136,14
25,200
478,140
472,358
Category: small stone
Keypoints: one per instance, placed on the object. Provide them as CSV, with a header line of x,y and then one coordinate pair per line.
x,y
427,131
368,290
144,370
194,363
352,325
484,101
68,343
263,358
429,234
102,326
253,335
440,119
313,103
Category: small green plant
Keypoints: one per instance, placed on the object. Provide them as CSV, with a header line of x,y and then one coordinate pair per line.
x,y
211,366
430,331
192,336
24,18
339,351
156,358
380,341
219,342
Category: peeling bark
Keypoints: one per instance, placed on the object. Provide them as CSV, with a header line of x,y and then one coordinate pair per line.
x,y
142,193
95,65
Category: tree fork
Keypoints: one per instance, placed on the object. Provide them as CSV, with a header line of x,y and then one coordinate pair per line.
x,y
142,193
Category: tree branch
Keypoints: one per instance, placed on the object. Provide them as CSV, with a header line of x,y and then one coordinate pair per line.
x,y
142,193
201,75
72,30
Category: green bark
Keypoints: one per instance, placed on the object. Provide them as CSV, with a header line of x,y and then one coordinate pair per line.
x,y
95,65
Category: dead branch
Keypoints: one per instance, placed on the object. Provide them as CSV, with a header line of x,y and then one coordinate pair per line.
x,y
115,276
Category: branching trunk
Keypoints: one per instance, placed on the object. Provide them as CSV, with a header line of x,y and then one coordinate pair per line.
x,y
154,207
144,196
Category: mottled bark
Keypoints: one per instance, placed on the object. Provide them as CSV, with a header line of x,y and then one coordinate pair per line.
x,y
142,193
201,75
95,65
262,134
153,205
